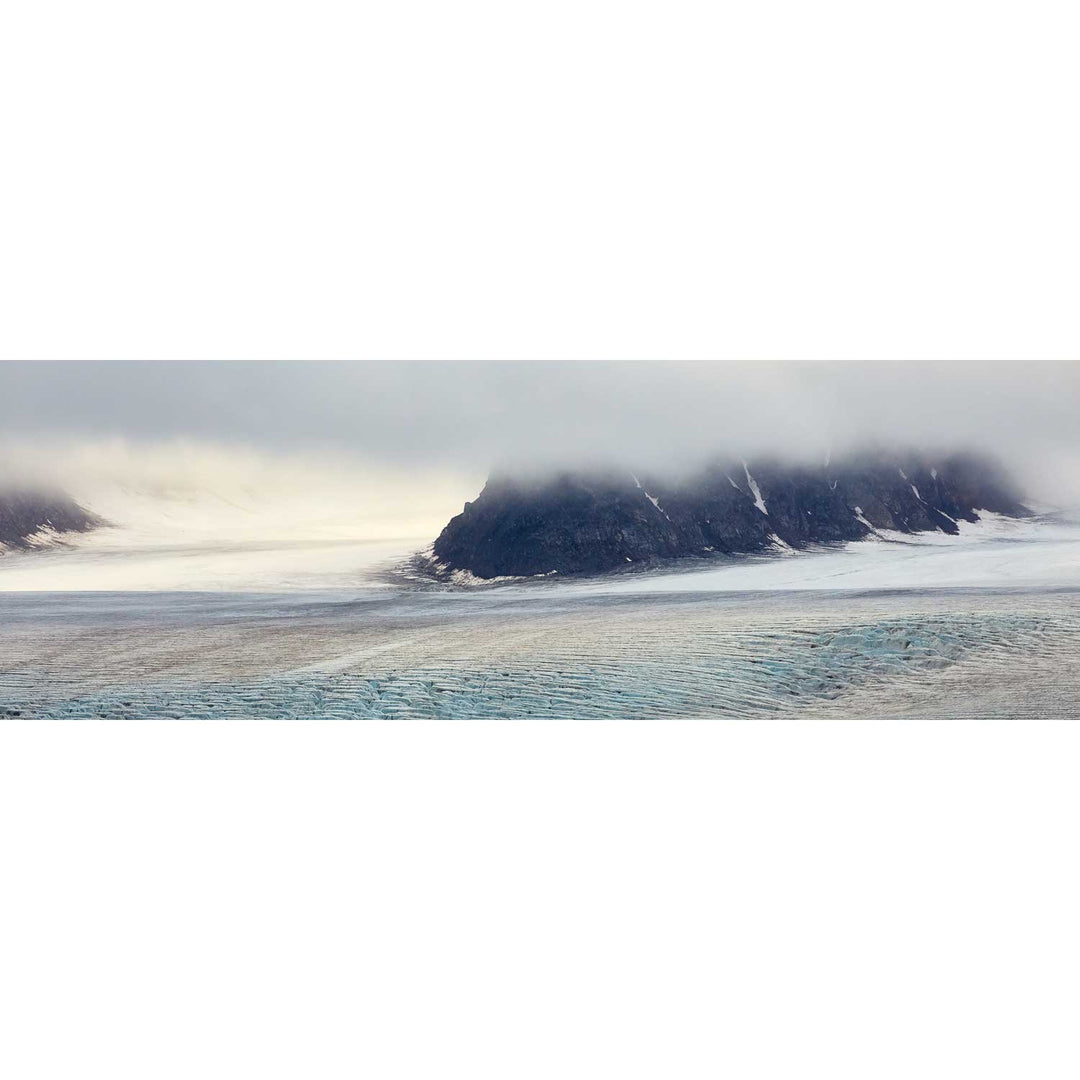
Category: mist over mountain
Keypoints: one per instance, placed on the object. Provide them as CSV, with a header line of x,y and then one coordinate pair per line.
x,y
329,452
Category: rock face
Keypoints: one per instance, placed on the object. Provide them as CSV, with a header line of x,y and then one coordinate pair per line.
x,y
576,523
27,518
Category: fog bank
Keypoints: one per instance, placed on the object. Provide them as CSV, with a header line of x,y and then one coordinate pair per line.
x,y
462,419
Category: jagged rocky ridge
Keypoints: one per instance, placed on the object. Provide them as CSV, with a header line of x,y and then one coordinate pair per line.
x,y
578,523
29,518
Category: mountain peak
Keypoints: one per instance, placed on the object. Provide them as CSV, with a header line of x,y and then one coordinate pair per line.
x,y
594,521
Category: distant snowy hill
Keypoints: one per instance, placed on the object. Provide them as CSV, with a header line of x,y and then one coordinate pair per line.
x,y
589,523
30,519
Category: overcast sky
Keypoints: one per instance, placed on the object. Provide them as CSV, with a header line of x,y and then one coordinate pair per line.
x,y
475,415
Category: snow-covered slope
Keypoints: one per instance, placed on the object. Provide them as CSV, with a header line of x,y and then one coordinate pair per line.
x,y
995,552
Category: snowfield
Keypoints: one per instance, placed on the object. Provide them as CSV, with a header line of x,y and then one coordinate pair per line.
x,y
302,536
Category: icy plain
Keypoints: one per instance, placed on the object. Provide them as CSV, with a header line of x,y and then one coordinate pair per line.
x,y
157,619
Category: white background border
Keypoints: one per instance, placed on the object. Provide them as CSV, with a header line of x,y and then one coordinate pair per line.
x,y
841,179
538,900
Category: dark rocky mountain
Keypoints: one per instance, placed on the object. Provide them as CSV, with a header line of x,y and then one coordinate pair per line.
x,y
576,523
25,515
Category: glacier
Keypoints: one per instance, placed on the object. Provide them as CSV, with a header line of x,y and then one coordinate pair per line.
x,y
136,624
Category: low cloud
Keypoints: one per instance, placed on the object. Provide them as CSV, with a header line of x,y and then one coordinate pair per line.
x,y
460,419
